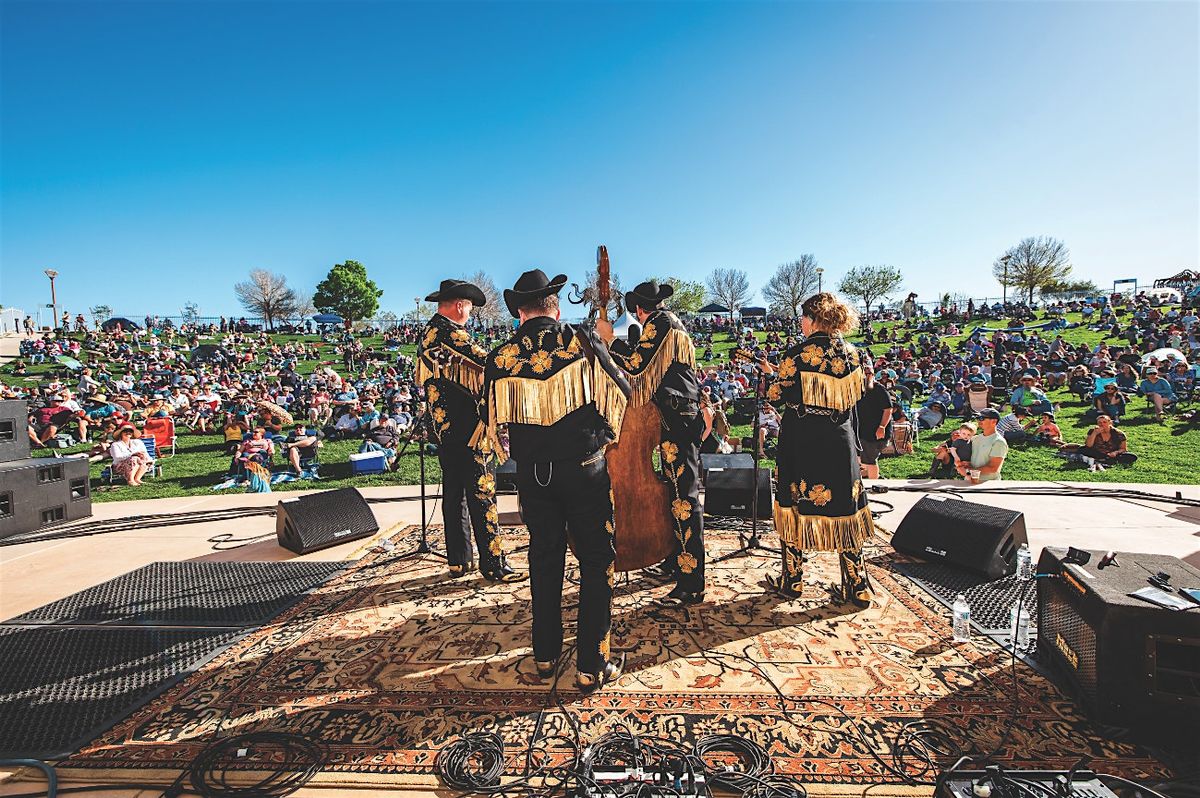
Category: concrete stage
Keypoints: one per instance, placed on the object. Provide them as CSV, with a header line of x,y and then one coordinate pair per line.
x,y
34,574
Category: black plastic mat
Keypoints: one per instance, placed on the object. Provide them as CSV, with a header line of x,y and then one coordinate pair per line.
x,y
216,594
61,686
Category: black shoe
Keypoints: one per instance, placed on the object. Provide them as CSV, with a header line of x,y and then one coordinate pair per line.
x,y
591,682
546,670
856,587
663,570
681,598
504,573
459,571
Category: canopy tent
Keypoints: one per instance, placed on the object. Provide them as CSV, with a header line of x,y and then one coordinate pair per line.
x,y
210,353
753,311
713,307
125,323
1182,280
328,318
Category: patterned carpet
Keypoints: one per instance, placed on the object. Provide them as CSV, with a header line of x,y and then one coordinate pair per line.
x,y
390,660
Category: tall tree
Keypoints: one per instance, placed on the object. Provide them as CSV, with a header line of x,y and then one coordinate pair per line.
x,y
494,311
1066,287
870,283
100,313
1033,264
267,296
688,296
348,292
791,284
729,287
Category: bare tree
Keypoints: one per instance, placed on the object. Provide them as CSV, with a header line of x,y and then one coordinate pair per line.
x,y
729,287
589,295
870,283
267,296
304,307
791,284
494,311
100,313
1033,264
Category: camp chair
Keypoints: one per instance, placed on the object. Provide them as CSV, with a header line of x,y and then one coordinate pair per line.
x,y
1099,383
1001,385
162,432
979,397
156,469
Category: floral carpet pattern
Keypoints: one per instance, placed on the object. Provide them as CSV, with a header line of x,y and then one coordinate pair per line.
x,y
390,660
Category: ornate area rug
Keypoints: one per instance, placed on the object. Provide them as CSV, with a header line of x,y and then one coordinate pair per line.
x,y
391,660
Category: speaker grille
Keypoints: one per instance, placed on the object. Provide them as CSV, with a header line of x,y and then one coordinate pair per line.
x,y
1069,638
324,519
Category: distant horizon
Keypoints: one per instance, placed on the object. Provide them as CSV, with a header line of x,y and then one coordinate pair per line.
x,y
153,154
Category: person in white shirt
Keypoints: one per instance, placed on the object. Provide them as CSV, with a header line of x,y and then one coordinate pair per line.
x,y
988,450
129,456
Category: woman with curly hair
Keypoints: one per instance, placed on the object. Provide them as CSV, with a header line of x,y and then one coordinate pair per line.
x,y
820,504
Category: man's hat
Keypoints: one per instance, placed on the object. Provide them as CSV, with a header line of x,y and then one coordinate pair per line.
x,y
648,295
530,286
990,412
458,289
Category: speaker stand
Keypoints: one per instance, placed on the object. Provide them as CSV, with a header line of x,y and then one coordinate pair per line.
x,y
423,548
749,545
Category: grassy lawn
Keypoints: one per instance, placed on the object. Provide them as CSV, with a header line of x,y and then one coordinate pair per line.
x,y
1167,452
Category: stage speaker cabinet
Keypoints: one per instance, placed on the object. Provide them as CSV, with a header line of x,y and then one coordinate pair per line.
x,y
970,535
727,491
312,523
1131,663
506,476
718,462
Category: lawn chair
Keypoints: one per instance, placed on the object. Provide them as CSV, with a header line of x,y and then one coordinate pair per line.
x,y
156,470
162,431
979,397
1001,386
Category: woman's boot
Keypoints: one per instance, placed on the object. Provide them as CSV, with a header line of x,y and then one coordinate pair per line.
x,y
856,587
790,582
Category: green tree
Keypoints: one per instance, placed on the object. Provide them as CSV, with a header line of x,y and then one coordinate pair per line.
x,y
348,292
1066,287
688,296
1033,264
871,283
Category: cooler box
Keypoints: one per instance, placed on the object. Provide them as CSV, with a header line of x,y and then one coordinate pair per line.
x,y
368,463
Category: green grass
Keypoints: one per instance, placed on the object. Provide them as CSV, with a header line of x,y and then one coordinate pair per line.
x,y
1167,452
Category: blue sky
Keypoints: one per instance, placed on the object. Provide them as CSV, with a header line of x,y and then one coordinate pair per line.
x,y
153,153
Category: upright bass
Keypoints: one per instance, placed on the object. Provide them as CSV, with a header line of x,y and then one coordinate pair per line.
x,y
645,531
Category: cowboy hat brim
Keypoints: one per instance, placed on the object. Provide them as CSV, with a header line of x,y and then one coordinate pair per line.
x,y
459,290
639,297
515,299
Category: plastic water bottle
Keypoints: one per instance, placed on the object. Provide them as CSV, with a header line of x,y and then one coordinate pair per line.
x,y
1019,624
1024,563
961,619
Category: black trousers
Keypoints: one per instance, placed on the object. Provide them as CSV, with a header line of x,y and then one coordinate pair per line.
x,y
469,503
680,462
556,498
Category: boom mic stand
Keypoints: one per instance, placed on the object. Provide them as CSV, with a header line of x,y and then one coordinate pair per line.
x,y
752,544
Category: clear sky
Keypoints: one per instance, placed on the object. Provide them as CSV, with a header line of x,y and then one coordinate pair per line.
x,y
154,152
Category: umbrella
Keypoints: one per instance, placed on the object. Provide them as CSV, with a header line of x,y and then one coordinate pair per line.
x,y
1166,353
275,409
126,324
328,318
69,362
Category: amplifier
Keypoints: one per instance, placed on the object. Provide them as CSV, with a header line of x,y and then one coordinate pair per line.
x,y
1019,783
710,462
727,491
506,476
315,522
1131,663
973,536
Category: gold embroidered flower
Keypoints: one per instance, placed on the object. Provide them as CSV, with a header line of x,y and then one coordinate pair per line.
x,y
856,490
606,646
681,509
787,368
837,366
798,491
649,333
432,393
669,451
439,415
687,562
460,336
496,547
478,351
813,355
612,574
508,356
635,360
775,392
540,361
820,495
493,515
487,483
430,336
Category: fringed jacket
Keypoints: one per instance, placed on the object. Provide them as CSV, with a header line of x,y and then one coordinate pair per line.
x,y
556,387
450,366
662,369
819,375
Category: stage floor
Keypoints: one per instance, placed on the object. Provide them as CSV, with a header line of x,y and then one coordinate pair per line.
x,y
34,574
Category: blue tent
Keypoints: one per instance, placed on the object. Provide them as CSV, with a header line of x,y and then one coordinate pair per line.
x,y
328,318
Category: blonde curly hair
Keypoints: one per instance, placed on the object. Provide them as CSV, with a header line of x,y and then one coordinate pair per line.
x,y
830,313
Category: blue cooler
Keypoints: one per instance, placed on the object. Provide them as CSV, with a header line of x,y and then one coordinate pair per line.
x,y
368,463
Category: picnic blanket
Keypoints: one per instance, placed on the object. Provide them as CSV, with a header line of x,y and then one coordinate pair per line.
x,y
283,476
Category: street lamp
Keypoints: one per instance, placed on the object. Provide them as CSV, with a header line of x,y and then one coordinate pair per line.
x,y
53,299
820,271
417,312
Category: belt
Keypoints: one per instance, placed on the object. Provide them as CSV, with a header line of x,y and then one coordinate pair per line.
x,y
810,410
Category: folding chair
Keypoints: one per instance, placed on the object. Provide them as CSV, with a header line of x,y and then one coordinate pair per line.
x,y
979,397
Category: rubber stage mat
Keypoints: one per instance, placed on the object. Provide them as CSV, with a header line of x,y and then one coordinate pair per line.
x,y
60,687
218,594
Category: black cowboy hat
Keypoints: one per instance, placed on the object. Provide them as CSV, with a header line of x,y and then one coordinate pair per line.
x,y
530,286
458,289
648,295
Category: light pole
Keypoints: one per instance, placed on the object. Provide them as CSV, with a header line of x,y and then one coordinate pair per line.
x,y
1005,261
820,271
53,299
417,310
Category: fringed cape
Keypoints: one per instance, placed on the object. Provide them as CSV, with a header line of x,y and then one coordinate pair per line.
x,y
449,360
663,342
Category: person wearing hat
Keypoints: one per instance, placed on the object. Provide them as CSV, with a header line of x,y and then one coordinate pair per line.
x,y
563,399
450,368
1157,390
662,369
1029,396
988,450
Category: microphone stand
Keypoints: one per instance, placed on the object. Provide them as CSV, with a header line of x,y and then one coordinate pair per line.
x,y
420,425
752,544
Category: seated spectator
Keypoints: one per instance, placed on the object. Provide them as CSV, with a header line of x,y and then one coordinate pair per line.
x,y
301,444
768,425
1106,445
1048,432
988,450
1028,396
959,404
235,430
1110,402
931,415
161,428
1012,426
954,451
382,436
48,419
1157,390
130,459
1082,382
1183,380
347,426
258,448
1127,379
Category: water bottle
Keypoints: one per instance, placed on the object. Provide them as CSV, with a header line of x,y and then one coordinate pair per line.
x,y
1019,624
961,619
1024,563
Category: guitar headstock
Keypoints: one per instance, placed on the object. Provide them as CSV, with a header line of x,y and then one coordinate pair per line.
x,y
742,355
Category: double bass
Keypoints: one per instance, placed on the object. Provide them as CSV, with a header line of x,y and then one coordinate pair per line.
x,y
645,529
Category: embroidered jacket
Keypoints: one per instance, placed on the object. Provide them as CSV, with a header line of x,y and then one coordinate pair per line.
x,y
663,343
821,372
450,367
557,389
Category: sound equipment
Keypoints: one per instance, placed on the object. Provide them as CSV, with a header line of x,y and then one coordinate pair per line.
x,y
973,536
14,443
711,462
1020,784
315,522
729,491
506,476
38,492
1132,663
656,781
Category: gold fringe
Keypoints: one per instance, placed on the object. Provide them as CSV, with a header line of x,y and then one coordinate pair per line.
x,y
459,370
676,347
826,390
611,401
822,533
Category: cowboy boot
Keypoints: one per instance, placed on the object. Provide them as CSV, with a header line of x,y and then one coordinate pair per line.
x,y
790,582
856,587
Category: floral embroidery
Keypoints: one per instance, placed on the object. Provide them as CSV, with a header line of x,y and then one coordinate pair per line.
x,y
439,415
432,394
787,368
775,392
460,336
681,509
612,574
649,333
669,451
635,360
487,483
856,490
687,563
496,547
837,366
430,336
813,355
606,646
508,356
540,361
820,495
